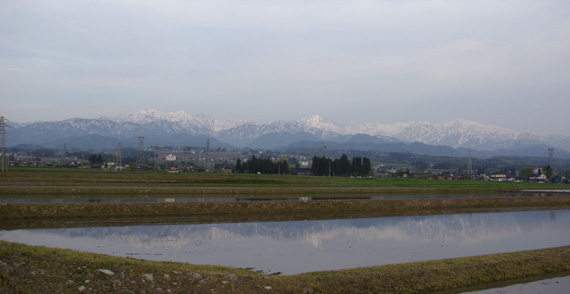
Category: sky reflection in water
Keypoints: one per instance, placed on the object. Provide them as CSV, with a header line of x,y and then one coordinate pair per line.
x,y
304,246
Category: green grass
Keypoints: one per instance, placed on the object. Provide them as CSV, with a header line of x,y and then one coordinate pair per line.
x,y
32,269
71,183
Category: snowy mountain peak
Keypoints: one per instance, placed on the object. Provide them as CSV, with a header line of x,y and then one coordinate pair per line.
x,y
318,122
312,120
456,133
145,116
181,119
462,123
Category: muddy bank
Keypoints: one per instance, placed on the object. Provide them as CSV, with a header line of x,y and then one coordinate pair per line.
x,y
61,214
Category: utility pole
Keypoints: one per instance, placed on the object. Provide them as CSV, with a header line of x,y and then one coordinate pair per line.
x,y
64,153
140,150
469,164
208,155
325,156
551,161
3,134
118,158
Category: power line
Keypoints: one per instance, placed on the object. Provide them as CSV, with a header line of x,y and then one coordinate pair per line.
x,y
3,135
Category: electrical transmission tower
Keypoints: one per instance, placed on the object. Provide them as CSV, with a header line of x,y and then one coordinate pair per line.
x,y
140,150
325,156
208,155
551,156
469,165
64,156
118,158
3,134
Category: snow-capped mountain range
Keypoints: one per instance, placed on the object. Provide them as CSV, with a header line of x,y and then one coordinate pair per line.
x,y
179,128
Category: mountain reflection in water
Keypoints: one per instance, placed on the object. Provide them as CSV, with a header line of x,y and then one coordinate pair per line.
x,y
303,246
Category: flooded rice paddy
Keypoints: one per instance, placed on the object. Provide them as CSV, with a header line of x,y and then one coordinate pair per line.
x,y
294,247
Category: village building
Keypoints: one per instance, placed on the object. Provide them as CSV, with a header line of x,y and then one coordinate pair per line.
x,y
498,177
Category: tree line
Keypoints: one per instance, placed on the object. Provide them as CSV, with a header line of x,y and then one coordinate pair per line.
x,y
264,166
359,166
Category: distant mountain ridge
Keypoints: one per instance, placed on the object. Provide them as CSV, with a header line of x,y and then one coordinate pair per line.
x,y
179,128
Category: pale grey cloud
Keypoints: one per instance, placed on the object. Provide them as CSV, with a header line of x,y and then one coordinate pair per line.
x,y
494,62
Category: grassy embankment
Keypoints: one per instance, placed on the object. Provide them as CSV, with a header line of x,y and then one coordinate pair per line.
x,y
30,269
14,216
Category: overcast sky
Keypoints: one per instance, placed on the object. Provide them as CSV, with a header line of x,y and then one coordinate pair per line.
x,y
498,62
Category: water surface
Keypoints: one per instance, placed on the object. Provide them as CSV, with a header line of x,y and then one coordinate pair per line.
x,y
304,246
548,286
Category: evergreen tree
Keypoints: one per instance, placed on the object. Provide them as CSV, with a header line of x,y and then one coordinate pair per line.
x,y
359,166
254,165
283,167
315,166
93,159
366,167
547,170
344,166
239,168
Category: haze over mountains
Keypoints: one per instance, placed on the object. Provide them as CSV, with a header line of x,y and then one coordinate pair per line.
x,y
182,129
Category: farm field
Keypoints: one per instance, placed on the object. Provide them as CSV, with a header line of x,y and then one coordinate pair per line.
x,y
73,183
28,269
